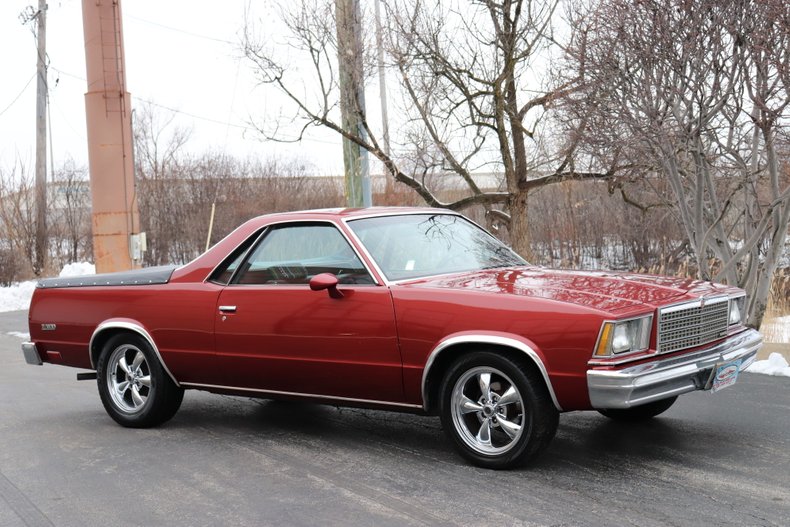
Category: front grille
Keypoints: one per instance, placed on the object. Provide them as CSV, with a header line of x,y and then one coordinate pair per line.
x,y
692,324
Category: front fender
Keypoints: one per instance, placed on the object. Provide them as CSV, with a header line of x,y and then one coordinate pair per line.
x,y
464,339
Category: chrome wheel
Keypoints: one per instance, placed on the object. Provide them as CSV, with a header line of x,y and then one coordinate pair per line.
x,y
487,410
128,377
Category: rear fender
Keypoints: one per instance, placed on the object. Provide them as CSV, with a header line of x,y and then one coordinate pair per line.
x,y
117,325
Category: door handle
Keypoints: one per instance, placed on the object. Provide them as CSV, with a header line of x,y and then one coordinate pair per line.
x,y
227,309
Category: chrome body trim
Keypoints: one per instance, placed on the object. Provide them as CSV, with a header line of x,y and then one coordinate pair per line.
x,y
30,351
298,394
693,303
668,376
486,339
140,330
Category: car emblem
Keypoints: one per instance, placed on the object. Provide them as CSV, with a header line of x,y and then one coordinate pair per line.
x,y
48,327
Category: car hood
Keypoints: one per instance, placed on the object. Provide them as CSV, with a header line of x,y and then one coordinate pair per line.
x,y
606,291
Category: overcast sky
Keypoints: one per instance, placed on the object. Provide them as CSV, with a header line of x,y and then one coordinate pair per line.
x,y
182,55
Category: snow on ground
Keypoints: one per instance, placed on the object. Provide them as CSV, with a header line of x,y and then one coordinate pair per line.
x,y
17,296
774,365
19,335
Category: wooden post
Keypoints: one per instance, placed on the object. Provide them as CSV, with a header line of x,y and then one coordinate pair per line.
x,y
41,139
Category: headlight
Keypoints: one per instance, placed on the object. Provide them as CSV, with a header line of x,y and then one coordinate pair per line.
x,y
624,336
737,310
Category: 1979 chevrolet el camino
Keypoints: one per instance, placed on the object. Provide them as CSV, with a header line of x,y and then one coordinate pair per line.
x,y
405,309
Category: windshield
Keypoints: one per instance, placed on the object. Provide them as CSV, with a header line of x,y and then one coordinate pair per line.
x,y
412,246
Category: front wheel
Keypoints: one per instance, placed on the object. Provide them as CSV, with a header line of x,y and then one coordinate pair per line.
x,y
641,412
133,386
497,412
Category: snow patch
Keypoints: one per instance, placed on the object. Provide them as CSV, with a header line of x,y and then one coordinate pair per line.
x,y
17,296
19,335
776,364
77,269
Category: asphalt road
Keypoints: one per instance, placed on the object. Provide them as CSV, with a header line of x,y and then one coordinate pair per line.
x,y
720,459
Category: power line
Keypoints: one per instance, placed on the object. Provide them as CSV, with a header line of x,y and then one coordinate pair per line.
x,y
224,123
18,94
65,119
67,74
196,116
177,30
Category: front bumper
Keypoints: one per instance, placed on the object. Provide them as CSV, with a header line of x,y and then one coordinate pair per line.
x,y
667,377
30,352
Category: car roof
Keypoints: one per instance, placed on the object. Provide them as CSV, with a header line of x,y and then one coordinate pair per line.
x,y
348,213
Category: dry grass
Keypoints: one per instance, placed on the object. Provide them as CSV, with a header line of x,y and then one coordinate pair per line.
x,y
778,307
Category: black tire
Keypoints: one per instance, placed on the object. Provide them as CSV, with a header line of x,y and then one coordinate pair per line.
x,y
465,408
641,412
133,386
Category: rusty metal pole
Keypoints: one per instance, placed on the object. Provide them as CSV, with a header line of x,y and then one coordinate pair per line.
x,y
108,114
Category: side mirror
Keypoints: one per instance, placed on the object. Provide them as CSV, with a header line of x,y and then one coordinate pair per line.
x,y
326,281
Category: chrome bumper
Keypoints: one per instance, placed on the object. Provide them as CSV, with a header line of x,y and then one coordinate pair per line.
x,y
30,352
667,377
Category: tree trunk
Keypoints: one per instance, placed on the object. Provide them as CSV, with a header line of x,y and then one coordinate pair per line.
x,y
518,205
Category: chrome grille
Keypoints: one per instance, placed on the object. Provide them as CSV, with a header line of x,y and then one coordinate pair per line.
x,y
692,324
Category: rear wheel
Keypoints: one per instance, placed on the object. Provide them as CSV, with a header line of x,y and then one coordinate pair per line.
x,y
497,412
133,386
641,412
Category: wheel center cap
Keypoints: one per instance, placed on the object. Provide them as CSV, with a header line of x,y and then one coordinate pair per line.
x,y
488,410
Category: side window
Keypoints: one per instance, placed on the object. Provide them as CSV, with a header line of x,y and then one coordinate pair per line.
x,y
224,272
294,254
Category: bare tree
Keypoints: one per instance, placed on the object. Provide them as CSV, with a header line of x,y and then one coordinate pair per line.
x,y
477,85
697,92
158,147
176,189
69,224
70,210
18,212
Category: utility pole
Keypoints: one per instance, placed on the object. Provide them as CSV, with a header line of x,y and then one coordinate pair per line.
x,y
41,138
385,125
352,102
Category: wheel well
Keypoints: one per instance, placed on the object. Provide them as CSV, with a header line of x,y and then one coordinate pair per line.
x,y
451,354
97,345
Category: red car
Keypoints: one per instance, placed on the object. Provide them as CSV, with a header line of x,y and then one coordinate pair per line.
x,y
416,310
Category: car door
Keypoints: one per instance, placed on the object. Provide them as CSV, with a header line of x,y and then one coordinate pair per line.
x,y
273,333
